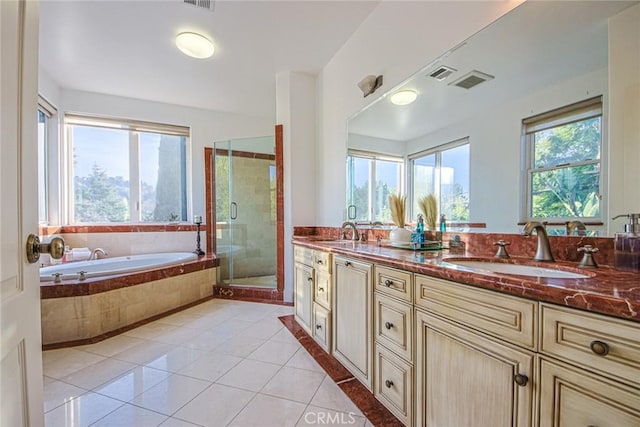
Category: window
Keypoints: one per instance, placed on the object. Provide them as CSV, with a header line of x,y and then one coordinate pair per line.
x,y
46,112
126,171
563,162
370,180
444,172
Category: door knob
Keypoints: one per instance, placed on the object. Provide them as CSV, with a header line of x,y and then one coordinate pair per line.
x,y
55,248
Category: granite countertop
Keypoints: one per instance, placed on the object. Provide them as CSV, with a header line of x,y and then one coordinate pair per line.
x,y
607,290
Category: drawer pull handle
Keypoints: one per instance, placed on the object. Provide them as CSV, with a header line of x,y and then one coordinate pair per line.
x,y
388,283
388,325
600,348
309,278
320,289
388,383
521,379
320,262
347,263
318,326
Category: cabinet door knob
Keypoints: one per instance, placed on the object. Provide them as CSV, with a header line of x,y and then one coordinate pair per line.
x,y
388,383
600,348
320,262
388,325
388,283
320,289
521,379
347,263
309,278
318,326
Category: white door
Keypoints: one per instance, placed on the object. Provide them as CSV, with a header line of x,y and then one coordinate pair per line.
x,y
21,354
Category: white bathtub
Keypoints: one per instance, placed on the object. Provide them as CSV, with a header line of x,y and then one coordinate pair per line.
x,y
116,265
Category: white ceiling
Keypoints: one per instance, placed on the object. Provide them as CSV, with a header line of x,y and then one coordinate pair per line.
x,y
127,48
533,46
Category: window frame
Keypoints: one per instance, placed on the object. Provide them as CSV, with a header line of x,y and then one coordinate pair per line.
x,y
46,164
437,150
372,157
134,128
572,113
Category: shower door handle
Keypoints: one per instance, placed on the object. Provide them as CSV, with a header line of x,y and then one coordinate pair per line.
x,y
233,210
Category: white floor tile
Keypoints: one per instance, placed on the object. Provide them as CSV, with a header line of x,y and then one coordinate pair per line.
x,y
264,328
60,363
132,383
129,416
239,346
112,345
249,375
208,340
144,352
316,416
171,394
211,366
81,411
267,411
285,336
216,406
150,330
179,319
178,336
174,422
98,373
294,384
330,396
176,359
303,360
274,352
57,393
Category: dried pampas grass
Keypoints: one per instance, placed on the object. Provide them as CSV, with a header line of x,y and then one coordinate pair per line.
x,y
429,208
398,205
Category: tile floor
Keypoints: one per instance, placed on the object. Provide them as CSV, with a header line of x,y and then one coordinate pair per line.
x,y
221,363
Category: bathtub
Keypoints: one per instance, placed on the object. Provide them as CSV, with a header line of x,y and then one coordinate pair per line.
x,y
115,265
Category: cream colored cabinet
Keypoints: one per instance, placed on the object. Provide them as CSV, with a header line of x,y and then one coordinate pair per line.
x,y
571,396
352,317
464,378
303,295
322,326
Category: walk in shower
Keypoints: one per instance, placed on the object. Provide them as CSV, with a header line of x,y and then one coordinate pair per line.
x,y
245,211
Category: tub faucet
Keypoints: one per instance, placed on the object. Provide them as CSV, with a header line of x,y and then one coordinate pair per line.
x,y
543,252
354,230
571,226
94,253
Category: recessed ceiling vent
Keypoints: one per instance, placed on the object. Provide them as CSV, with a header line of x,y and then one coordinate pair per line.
x,y
205,4
442,73
471,79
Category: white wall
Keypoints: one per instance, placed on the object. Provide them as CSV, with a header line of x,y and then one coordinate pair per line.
x,y
395,40
496,147
624,104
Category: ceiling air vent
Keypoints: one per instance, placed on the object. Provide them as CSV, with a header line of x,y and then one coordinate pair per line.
x,y
205,4
442,73
471,79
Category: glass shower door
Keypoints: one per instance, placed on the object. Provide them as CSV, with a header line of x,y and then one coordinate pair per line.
x,y
245,211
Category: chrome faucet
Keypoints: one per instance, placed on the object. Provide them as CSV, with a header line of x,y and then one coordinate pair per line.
x,y
94,253
571,226
354,230
543,252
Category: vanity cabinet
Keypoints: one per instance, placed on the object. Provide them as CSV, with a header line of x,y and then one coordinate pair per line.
x,y
312,293
352,317
468,370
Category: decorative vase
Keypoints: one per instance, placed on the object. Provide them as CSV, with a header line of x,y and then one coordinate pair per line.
x,y
400,235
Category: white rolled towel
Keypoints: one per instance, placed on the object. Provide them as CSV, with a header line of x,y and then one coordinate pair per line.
x,y
81,254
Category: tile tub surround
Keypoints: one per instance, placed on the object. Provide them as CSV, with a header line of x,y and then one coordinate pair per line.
x,y
82,311
609,291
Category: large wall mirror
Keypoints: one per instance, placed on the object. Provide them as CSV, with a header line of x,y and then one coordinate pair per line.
x,y
539,57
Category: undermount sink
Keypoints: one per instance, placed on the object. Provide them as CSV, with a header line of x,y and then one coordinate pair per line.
x,y
519,269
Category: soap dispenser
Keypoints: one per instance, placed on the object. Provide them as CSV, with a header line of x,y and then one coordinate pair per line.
x,y
627,244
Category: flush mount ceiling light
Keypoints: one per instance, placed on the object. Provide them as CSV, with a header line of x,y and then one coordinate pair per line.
x,y
404,97
194,45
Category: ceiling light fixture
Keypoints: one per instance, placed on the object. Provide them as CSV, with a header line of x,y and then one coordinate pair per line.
x,y
404,97
194,45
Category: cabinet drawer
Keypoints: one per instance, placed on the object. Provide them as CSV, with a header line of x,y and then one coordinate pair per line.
x,y
600,343
322,326
393,384
322,291
393,322
303,255
510,318
322,261
395,283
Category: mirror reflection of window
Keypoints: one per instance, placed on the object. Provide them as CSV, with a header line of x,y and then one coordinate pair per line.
x,y
43,128
444,172
563,162
371,178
